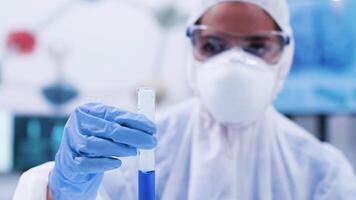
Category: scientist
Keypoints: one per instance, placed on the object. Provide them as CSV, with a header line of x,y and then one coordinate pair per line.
x,y
227,143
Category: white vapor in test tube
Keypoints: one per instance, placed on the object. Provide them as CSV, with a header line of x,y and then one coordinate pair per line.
x,y
146,174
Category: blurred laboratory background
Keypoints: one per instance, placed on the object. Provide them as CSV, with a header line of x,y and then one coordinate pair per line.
x,y
58,54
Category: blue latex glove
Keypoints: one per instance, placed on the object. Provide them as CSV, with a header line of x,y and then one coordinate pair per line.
x,y
93,135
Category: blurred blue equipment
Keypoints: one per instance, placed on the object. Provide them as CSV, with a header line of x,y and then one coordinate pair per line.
x,y
324,34
322,79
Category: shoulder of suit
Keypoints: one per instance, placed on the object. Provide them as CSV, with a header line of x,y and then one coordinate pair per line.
x,y
305,147
175,119
179,111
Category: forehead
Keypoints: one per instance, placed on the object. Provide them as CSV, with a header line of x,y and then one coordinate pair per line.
x,y
238,17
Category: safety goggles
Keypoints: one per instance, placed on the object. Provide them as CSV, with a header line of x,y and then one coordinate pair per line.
x,y
208,42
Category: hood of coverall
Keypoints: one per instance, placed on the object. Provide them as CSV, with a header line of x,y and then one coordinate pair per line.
x,y
277,9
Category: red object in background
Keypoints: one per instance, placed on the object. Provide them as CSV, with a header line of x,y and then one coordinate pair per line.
x,y
23,42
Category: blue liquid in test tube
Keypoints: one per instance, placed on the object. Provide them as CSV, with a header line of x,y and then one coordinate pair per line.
x,y
146,186
146,173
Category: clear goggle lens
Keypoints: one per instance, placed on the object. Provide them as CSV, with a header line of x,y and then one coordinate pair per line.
x,y
208,42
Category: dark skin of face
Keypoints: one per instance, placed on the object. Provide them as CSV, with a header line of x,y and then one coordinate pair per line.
x,y
238,17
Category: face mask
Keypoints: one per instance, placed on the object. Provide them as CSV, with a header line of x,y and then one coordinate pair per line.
x,y
236,87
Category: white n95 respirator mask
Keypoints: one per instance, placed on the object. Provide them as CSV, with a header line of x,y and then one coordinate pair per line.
x,y
235,86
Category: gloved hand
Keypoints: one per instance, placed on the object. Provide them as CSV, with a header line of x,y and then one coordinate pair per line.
x,y
93,135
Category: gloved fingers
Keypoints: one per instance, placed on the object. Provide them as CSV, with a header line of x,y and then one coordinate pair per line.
x,y
95,165
124,118
100,111
99,147
134,138
92,126
136,121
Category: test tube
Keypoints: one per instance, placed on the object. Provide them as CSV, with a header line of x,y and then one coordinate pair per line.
x,y
146,173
